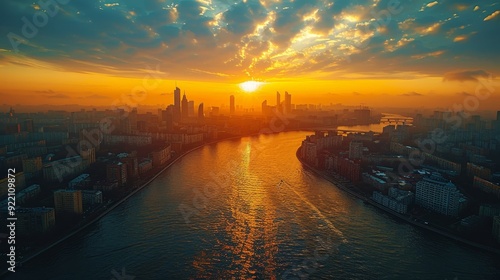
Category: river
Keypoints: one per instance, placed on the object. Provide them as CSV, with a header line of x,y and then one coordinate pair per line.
x,y
265,217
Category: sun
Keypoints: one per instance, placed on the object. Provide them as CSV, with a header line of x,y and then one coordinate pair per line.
x,y
250,86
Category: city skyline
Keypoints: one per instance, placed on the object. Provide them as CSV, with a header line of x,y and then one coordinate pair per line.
x,y
250,139
349,52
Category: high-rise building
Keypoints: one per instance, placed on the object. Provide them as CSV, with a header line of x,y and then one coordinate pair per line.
x,y
191,108
440,195
278,102
177,104
355,150
185,110
264,107
288,103
231,105
167,116
69,201
201,114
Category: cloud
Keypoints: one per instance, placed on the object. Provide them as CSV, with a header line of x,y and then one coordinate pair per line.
x,y
97,96
224,39
492,16
49,91
469,75
412,94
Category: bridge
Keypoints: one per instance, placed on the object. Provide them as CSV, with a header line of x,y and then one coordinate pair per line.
x,y
396,120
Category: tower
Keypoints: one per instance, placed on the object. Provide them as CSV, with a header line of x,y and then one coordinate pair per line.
x,y
177,104
185,110
201,115
288,103
231,105
278,102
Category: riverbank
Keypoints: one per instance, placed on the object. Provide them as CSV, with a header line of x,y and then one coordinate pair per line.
x,y
343,185
112,206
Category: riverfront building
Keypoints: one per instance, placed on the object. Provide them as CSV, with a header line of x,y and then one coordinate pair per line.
x,y
440,195
117,172
34,221
68,201
91,198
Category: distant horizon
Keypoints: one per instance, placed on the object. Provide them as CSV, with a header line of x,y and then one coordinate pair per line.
x,y
382,53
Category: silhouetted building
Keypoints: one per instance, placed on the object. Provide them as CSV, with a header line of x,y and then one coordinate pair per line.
x,y
177,104
362,115
185,110
278,102
201,114
288,103
191,108
231,105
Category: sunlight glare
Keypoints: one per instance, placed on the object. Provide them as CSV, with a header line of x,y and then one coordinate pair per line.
x,y
250,86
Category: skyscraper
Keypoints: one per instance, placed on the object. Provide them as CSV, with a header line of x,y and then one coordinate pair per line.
x,y
288,103
185,110
231,104
201,115
177,104
191,108
264,107
278,102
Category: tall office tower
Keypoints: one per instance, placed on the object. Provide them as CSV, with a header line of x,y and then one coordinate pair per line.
x,y
264,107
201,115
168,117
231,104
191,108
278,102
184,111
288,103
177,104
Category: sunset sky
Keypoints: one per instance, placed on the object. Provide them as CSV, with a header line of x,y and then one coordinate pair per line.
x,y
372,52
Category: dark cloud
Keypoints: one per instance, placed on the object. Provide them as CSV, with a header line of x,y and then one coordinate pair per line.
x,y
468,75
412,94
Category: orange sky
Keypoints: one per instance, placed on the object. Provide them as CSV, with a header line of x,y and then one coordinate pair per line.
x,y
413,54
32,86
